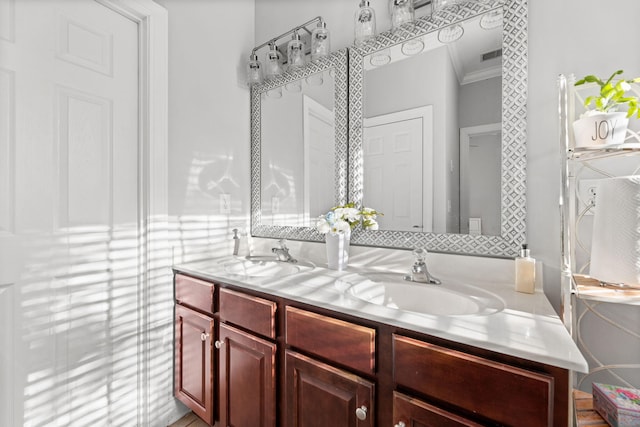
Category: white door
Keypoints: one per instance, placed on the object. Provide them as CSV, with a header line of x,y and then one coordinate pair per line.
x,y
480,177
69,214
397,179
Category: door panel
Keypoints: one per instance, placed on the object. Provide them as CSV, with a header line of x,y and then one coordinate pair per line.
x,y
247,379
319,395
194,378
69,171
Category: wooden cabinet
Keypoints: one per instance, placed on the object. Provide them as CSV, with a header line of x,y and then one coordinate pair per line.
x,y
318,394
247,379
194,374
247,362
494,391
341,342
229,377
280,362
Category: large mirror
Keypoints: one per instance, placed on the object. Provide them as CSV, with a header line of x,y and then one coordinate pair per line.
x,y
299,148
437,138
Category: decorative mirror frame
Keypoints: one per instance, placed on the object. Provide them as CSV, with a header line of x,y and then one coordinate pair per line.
x,y
338,62
514,133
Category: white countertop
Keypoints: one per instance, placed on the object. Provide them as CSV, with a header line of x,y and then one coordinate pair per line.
x,y
528,327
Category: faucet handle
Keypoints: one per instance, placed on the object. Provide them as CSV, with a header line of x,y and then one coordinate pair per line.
x,y
283,243
421,255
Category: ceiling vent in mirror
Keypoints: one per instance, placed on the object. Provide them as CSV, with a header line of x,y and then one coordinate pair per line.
x,y
492,55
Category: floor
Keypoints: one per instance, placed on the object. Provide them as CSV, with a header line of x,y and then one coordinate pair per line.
x,y
189,420
583,404
586,416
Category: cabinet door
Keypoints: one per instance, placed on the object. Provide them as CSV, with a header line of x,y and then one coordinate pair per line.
x,y
319,395
194,378
247,379
415,413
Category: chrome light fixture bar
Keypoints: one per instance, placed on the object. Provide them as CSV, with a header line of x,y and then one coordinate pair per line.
x,y
254,66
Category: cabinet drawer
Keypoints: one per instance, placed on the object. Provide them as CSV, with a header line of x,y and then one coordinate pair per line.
x,y
414,412
342,342
502,393
246,311
195,293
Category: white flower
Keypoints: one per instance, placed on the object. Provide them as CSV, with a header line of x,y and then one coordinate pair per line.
x,y
344,218
340,226
322,225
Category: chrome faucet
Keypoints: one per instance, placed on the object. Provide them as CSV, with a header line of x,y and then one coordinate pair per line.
x,y
236,242
419,271
282,253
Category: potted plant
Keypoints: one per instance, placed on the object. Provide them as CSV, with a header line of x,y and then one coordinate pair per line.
x,y
604,124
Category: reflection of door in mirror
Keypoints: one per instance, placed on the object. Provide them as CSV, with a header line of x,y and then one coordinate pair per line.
x,y
480,158
319,158
395,147
297,152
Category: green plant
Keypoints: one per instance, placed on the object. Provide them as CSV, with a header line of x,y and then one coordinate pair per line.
x,y
612,94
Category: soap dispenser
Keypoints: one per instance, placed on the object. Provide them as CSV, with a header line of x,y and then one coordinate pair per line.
x,y
525,271
240,243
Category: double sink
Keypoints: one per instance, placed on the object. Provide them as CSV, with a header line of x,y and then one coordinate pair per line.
x,y
386,289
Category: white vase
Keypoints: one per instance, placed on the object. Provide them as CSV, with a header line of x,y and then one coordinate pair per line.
x,y
600,129
338,250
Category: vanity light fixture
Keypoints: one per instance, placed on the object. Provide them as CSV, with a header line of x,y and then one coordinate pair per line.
x,y
320,41
254,70
296,51
412,47
365,23
402,12
382,57
491,20
273,62
452,32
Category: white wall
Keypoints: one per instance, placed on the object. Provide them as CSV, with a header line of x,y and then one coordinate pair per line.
x,y
209,42
563,38
208,126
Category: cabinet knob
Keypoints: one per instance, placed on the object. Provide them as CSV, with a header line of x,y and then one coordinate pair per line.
x,y
400,424
218,344
204,336
361,413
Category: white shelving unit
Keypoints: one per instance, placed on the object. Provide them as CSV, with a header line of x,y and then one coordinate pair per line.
x,y
594,313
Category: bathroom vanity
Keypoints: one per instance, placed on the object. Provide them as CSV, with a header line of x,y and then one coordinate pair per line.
x,y
299,348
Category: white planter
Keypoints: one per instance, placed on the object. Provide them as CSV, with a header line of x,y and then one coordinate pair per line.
x,y
337,250
600,129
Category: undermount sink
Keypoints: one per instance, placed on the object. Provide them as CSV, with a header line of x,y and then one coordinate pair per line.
x,y
265,266
448,299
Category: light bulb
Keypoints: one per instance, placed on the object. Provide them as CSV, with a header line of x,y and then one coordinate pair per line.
x,y
402,12
295,52
365,23
254,70
272,65
320,41
450,34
